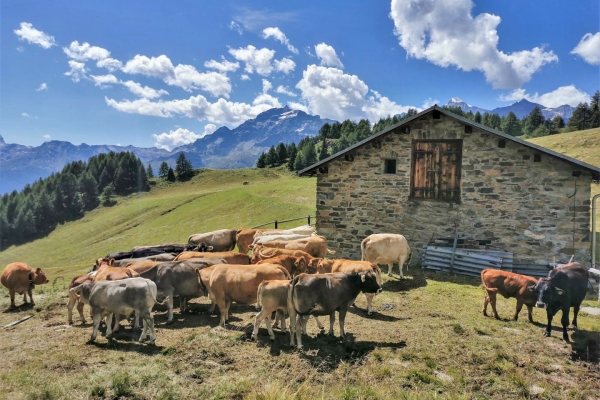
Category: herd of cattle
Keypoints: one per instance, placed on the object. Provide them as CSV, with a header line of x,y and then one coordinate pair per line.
x,y
286,274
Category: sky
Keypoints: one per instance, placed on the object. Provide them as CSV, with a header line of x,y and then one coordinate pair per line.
x,y
149,73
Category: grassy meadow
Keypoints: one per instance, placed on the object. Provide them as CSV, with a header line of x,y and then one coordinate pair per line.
x,y
426,339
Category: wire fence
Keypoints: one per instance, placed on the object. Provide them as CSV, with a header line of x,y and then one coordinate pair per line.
x,y
277,222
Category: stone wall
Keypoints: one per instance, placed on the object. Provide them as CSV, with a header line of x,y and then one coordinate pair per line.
x,y
533,209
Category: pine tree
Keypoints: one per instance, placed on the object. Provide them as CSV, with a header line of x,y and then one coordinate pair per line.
x,y
107,195
595,110
299,162
335,131
163,170
324,131
89,190
183,167
262,160
281,153
150,171
323,153
581,118
171,175
558,122
272,157
363,130
511,125
292,152
533,121
478,117
309,154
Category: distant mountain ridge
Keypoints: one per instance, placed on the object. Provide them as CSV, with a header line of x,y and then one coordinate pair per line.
x,y
522,108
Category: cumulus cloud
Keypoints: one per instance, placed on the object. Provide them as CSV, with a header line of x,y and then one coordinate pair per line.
x,y
175,138
298,106
588,48
104,81
221,112
47,137
84,52
110,63
25,115
285,90
245,77
223,66
20,49
563,95
234,26
255,60
333,94
266,85
143,91
284,65
445,33
183,76
328,56
278,35
78,71
43,86
29,34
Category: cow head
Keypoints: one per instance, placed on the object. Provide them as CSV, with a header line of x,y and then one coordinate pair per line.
x,y
39,277
546,292
299,266
83,291
313,266
407,262
203,248
369,282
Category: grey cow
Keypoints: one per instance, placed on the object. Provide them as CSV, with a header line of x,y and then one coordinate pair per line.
x,y
220,240
122,297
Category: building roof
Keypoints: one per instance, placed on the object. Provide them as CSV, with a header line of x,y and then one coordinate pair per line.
x,y
595,170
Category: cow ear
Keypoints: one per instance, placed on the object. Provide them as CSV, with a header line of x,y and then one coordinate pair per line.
x,y
38,270
111,262
532,288
559,291
362,276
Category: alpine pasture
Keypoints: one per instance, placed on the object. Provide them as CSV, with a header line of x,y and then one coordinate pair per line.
x,y
427,337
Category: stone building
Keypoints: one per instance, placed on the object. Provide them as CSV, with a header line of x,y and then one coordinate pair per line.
x,y
436,170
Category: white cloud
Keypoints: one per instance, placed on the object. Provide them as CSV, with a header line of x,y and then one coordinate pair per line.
x,y
255,20
298,106
47,137
182,75
143,91
327,55
209,129
223,66
78,71
221,112
588,48
285,90
266,85
84,52
110,63
32,35
445,33
278,35
254,59
285,65
234,26
104,81
430,102
331,93
25,115
245,77
43,86
563,95
20,49
174,138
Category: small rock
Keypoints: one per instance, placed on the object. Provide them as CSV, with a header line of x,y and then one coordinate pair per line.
x,y
535,390
443,377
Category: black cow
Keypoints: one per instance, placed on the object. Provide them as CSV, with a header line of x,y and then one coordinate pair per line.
x,y
564,288
325,294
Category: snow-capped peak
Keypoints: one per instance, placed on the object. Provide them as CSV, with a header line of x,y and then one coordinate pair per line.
x,y
456,100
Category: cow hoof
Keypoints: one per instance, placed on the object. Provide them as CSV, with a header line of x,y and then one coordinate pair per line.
x,y
547,334
70,322
90,341
566,338
369,313
151,343
574,327
272,337
170,322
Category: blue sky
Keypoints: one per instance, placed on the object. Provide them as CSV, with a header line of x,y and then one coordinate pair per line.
x,y
166,73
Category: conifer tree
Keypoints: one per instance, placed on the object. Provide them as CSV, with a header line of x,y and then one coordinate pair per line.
x,y
163,170
150,171
183,167
171,175
292,153
323,153
272,157
281,153
262,160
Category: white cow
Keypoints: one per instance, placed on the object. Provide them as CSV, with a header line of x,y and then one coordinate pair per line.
x,y
120,297
386,248
270,238
300,230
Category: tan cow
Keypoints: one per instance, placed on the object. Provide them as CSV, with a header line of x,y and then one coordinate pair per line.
x,y
220,240
348,267
316,246
244,238
272,296
293,265
141,266
74,298
105,271
228,283
387,248
299,230
20,278
231,257
262,253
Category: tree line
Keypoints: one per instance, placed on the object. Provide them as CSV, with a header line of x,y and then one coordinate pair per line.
x,y
333,138
183,169
64,196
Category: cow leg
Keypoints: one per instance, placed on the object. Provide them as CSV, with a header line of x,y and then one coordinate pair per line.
x,y
565,323
298,331
319,324
575,311
400,265
283,327
342,313
109,319
369,297
486,301
150,323
390,268
170,312
182,304
96,318
269,329
492,296
211,309
136,324
70,306
30,292
530,313
549,315
257,320
519,308
331,322
224,310
293,322
144,330
12,298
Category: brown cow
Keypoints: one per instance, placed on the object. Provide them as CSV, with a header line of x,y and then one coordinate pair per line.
x,y
239,283
508,284
316,246
75,298
262,253
293,265
244,238
231,257
141,266
20,278
348,267
106,272
387,248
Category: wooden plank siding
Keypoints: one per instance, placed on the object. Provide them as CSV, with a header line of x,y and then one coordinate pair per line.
x,y
436,169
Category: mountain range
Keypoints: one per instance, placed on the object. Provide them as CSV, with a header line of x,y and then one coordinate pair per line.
x,y
223,149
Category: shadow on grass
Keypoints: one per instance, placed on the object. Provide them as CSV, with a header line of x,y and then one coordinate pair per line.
x,y
417,280
461,280
585,346
17,309
376,315
131,346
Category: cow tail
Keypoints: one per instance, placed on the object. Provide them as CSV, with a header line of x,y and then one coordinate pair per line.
x,y
259,295
154,298
290,295
363,247
484,285
330,251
